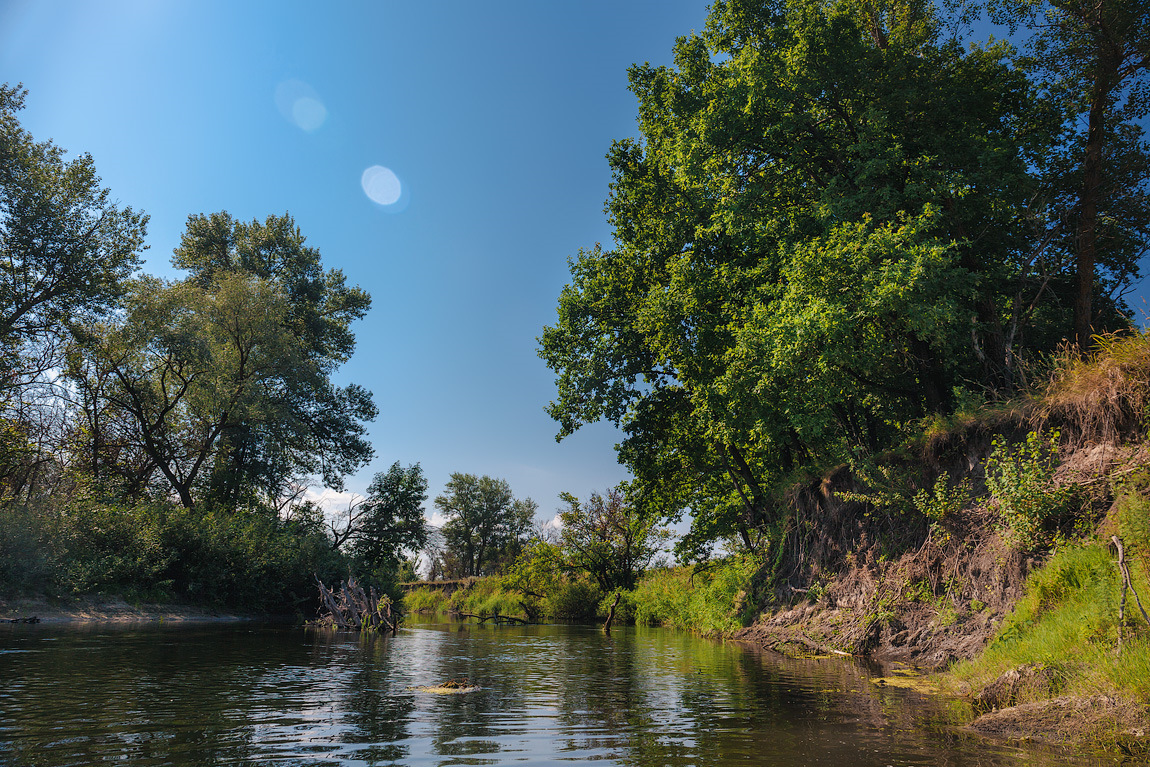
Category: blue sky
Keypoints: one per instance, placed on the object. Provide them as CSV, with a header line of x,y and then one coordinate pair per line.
x,y
494,117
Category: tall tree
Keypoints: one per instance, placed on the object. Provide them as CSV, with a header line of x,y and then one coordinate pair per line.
x,y
390,520
224,377
1093,58
609,538
816,237
485,525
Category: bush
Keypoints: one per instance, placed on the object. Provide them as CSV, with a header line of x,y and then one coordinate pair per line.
x,y
27,562
1019,479
574,600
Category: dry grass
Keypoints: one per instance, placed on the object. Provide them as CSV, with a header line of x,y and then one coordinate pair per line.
x,y
1103,397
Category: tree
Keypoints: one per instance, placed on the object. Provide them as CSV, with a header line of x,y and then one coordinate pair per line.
x,y
817,239
609,538
390,520
485,525
222,379
1093,59
65,249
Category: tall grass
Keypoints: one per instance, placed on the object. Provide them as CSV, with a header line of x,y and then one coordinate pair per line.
x,y
1104,396
712,601
1068,623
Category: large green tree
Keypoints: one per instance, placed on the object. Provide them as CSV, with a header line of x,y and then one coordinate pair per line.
x,y
65,247
817,238
485,525
220,382
609,538
389,522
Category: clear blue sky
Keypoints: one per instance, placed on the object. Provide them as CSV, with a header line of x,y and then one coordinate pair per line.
x,y
495,118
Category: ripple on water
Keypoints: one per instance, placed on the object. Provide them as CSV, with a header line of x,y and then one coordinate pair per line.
x,y
229,694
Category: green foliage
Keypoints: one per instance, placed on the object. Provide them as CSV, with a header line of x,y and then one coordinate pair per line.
x,y
944,499
576,599
485,596
485,525
817,235
65,249
219,384
609,538
888,487
27,559
156,550
425,600
712,601
1134,519
1089,60
388,523
1019,479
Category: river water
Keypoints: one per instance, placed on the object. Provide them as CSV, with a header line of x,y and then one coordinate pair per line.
x,y
211,694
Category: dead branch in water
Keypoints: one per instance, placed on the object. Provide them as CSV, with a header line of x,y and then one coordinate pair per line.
x,y
351,608
493,617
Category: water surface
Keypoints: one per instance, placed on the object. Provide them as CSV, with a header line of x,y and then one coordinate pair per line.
x,y
248,694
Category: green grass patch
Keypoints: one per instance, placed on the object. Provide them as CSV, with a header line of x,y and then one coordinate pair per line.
x,y
711,601
1068,622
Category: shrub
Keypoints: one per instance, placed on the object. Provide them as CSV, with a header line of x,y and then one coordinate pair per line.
x,y
575,600
1019,479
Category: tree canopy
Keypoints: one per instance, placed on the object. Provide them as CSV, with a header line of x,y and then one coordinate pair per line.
x,y
834,222
220,382
65,247
485,525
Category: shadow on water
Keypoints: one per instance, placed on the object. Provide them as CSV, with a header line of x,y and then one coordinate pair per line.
x,y
225,694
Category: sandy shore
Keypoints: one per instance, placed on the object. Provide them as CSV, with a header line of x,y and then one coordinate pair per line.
x,y
109,610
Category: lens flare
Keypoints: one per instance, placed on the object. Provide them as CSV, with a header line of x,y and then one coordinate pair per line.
x,y
301,105
381,185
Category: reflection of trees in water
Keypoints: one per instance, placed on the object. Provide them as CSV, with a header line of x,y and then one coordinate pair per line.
x,y
217,695
375,712
161,696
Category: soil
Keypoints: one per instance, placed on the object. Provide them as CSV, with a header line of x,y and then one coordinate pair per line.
x,y
942,598
107,610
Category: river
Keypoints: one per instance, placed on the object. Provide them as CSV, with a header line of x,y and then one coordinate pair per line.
x,y
212,694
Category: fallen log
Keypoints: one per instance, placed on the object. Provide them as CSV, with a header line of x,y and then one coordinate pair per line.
x,y
494,617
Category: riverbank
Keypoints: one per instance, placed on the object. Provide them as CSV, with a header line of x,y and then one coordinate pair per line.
x,y
111,610
1002,552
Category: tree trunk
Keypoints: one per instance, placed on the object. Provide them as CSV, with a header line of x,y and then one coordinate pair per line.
x,y
1086,245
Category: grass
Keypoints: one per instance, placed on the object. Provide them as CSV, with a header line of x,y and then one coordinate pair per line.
x,y
477,596
711,602
1104,395
1068,623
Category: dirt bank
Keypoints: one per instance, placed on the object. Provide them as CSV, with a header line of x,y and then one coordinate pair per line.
x,y
921,597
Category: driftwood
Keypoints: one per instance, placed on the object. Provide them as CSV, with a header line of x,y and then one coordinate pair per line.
x,y
493,617
350,608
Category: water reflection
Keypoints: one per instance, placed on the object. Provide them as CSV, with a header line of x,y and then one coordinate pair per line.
x,y
207,695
